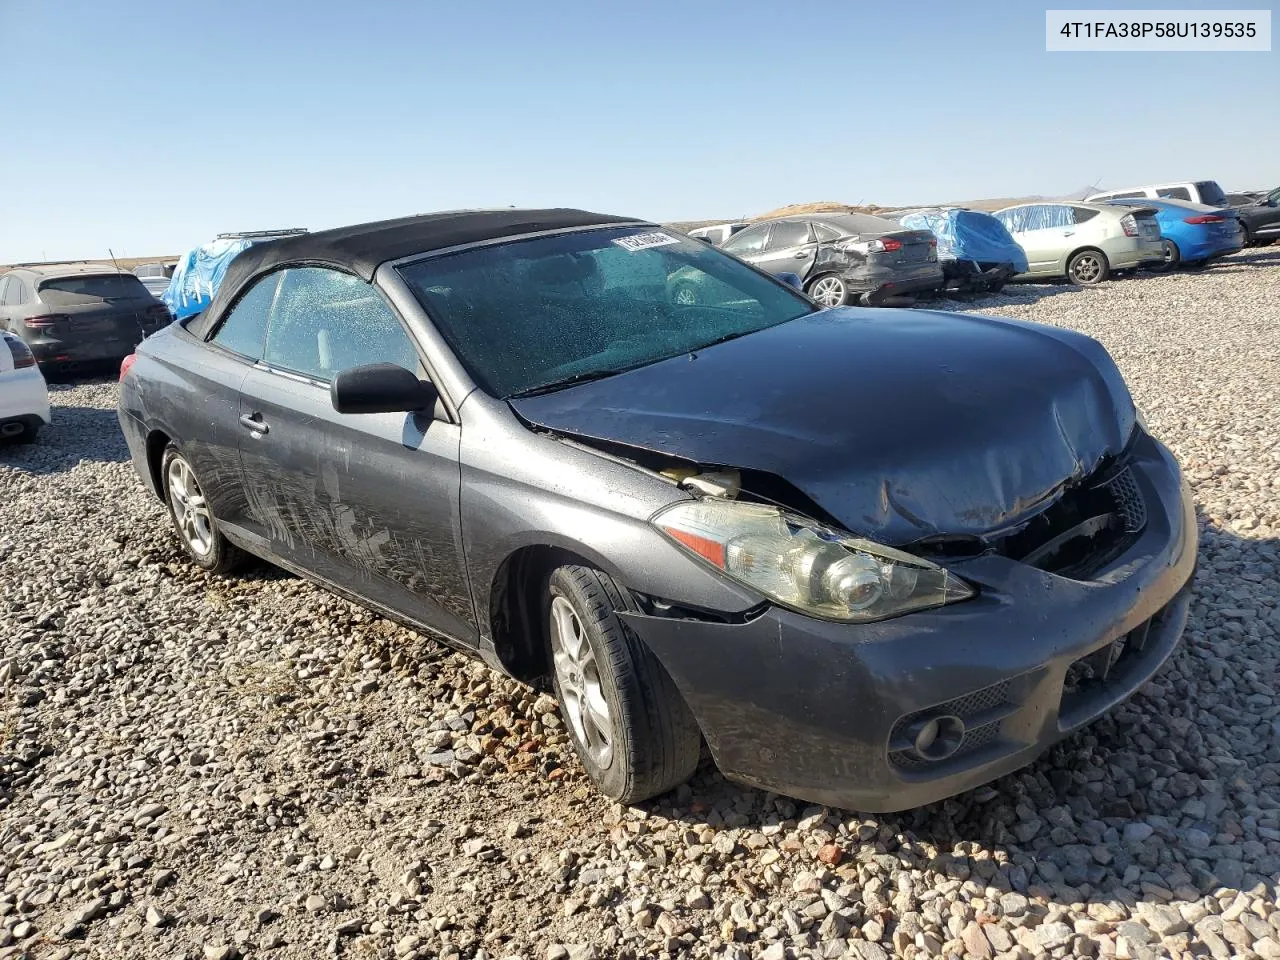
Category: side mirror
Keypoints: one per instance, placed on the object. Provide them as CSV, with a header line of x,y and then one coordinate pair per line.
x,y
380,388
790,279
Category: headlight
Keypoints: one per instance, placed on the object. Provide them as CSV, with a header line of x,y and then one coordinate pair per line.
x,y
807,566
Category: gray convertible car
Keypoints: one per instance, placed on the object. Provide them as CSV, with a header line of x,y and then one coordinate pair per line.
x,y
871,562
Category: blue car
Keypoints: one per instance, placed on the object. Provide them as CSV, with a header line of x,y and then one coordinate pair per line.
x,y
1192,232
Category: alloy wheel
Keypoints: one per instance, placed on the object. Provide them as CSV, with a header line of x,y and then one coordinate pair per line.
x,y
578,679
1087,268
829,291
190,508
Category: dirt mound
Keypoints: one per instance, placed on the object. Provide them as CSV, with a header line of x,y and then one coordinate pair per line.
x,y
822,206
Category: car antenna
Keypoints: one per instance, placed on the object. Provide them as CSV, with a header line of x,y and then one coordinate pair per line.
x,y
113,259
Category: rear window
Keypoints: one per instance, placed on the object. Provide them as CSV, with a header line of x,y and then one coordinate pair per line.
x,y
67,291
1211,193
1128,195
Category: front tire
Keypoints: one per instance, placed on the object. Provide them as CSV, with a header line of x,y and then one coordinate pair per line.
x,y
192,517
631,729
829,290
1088,267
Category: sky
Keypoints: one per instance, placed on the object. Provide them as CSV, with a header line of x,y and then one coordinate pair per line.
x,y
148,127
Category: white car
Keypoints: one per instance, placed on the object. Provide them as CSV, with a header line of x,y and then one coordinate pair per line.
x,y
1194,191
24,398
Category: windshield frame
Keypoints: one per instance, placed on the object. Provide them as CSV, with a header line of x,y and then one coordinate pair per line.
x,y
396,278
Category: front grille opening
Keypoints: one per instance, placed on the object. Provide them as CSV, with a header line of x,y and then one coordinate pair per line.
x,y
1087,527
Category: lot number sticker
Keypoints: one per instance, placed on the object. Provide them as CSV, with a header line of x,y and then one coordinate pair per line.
x,y
643,241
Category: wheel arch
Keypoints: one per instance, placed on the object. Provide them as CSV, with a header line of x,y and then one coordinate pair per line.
x,y
157,441
514,609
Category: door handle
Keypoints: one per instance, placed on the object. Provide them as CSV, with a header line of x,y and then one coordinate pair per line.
x,y
254,422
1068,233
801,255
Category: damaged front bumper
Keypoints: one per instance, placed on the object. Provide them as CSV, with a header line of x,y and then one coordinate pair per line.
x,y
832,713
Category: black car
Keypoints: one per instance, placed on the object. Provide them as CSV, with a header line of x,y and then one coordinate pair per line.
x,y
872,561
71,314
1260,218
840,257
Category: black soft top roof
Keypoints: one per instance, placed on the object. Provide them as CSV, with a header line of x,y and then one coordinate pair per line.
x,y
363,247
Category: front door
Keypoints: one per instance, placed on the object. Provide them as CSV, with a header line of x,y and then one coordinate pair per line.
x,y
367,502
1046,236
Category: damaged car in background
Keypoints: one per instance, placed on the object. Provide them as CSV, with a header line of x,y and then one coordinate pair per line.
x,y
842,257
872,561
976,251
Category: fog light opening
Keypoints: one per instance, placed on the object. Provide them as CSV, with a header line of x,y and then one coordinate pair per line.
x,y
936,738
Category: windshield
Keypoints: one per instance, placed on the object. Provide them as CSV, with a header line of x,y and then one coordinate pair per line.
x,y
67,291
534,314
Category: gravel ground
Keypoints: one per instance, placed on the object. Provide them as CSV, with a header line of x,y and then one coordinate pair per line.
x,y
208,768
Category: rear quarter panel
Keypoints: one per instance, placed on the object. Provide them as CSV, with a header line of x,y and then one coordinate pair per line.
x,y
189,392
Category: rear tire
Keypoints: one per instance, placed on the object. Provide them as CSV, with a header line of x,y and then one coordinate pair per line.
x,y
27,434
192,517
829,290
1172,257
1088,267
629,725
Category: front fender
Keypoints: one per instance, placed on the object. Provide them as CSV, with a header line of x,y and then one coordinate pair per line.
x,y
525,489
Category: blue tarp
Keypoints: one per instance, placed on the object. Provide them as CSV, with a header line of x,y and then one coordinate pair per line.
x,y
196,278
969,235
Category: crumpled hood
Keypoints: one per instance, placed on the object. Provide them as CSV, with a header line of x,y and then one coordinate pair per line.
x,y
901,424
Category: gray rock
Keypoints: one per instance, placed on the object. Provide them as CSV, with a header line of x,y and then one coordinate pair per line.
x,y
1050,936
866,950
1137,832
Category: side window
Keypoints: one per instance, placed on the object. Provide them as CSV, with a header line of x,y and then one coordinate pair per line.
x,y
1011,218
11,291
324,322
1083,214
750,240
788,233
244,329
1174,193
826,234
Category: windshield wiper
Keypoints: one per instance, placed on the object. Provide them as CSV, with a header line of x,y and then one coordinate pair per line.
x,y
566,382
